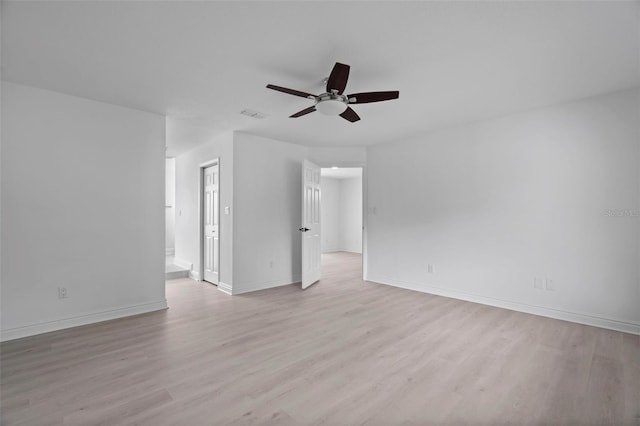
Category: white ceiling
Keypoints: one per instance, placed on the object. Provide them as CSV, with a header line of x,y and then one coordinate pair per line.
x,y
341,172
201,63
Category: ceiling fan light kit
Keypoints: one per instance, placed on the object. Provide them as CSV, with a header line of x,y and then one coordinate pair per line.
x,y
333,101
332,104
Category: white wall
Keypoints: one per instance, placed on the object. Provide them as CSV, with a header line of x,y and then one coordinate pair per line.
x,y
187,199
82,208
169,201
267,199
351,215
349,156
341,214
496,203
330,214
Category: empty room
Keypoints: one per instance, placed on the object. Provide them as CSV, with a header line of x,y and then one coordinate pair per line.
x,y
320,213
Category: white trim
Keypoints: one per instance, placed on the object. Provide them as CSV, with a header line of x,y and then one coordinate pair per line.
x,y
611,324
365,222
350,251
183,264
263,285
331,250
212,162
194,275
225,288
169,251
45,327
340,250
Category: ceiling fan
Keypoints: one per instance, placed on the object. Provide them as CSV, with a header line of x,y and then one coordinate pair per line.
x,y
334,101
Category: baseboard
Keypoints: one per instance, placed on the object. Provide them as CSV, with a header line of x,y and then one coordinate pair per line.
x,y
342,250
194,275
174,275
263,285
46,327
169,251
331,250
225,288
626,327
357,250
183,264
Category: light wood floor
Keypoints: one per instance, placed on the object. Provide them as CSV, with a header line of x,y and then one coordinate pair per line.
x,y
340,353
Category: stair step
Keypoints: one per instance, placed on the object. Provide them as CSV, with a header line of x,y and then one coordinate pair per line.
x,y
172,272
172,275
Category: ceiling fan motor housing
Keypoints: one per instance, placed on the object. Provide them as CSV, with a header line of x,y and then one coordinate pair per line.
x,y
332,103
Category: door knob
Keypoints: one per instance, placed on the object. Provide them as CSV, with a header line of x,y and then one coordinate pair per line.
x,y
304,229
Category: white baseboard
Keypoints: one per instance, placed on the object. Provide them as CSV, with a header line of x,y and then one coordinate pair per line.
x,y
357,248
626,327
169,251
331,250
183,264
225,288
45,327
338,250
194,275
263,285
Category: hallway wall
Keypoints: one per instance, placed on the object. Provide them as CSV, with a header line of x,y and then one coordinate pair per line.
x,y
341,214
187,204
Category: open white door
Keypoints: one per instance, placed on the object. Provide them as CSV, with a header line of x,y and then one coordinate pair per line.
x,y
211,216
310,224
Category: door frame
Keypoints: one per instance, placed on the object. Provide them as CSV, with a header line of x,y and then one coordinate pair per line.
x,y
201,167
363,167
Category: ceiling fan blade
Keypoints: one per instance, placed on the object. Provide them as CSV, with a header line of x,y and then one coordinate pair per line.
x,y
290,91
338,78
303,112
367,97
350,115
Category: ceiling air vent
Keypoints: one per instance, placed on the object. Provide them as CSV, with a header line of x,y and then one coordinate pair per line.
x,y
252,113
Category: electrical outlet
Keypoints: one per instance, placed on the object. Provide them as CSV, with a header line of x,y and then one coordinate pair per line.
x,y
62,293
538,283
550,285
430,268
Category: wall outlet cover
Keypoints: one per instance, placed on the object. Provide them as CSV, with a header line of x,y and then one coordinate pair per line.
x,y
550,285
538,283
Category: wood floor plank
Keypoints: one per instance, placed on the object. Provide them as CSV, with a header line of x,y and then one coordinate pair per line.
x,y
631,376
343,352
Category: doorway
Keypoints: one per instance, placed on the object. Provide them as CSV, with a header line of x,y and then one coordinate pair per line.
x,y
172,271
210,222
342,211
